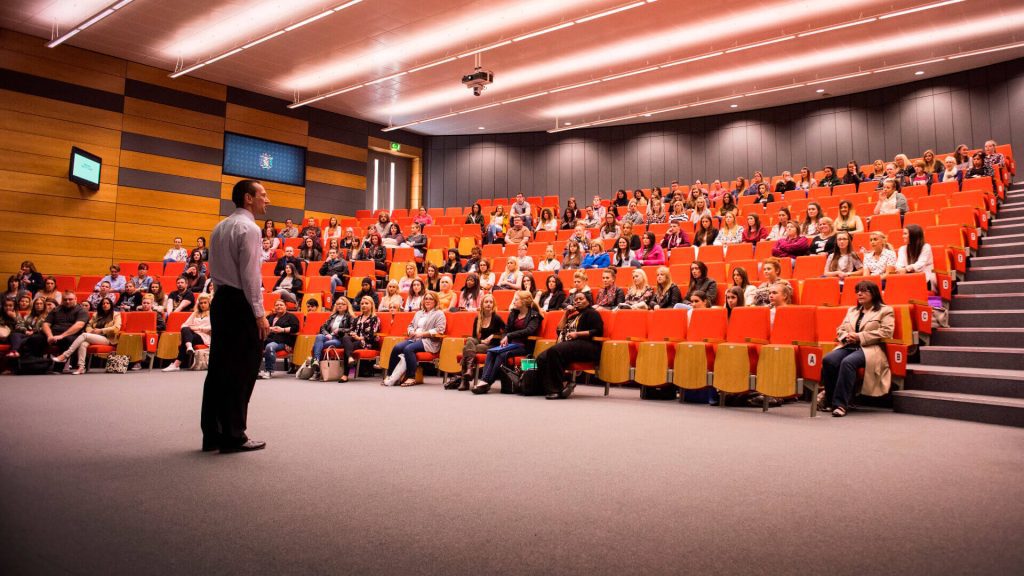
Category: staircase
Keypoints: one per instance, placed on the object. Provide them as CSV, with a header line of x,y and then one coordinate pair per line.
x,y
974,370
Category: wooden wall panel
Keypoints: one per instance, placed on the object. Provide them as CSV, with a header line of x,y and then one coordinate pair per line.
x,y
146,109
39,106
173,166
190,84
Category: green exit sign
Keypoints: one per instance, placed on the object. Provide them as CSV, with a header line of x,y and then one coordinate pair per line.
x,y
396,146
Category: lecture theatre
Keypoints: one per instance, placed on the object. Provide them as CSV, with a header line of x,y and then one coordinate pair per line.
x,y
512,287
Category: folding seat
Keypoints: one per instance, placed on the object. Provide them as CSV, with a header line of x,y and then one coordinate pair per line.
x,y
763,250
819,292
866,187
137,330
657,353
944,273
575,368
309,327
932,202
830,205
923,218
619,346
742,251
985,205
679,273
719,272
791,352
364,213
982,184
492,250
809,266
659,230
397,332
454,211
551,201
844,190
288,243
819,192
913,193
436,256
912,290
798,207
484,202
266,269
884,223
536,249
548,333
319,286
711,253
87,283
459,326
861,241
849,294
66,282
368,354
682,255
751,267
167,347
545,236
129,269
736,358
696,354
964,216
952,237
503,299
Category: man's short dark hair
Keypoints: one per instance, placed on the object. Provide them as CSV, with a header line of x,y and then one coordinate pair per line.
x,y
243,187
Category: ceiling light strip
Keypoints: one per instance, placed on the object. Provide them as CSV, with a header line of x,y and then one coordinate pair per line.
x,y
264,38
902,66
105,12
544,31
987,50
837,27
918,9
759,44
609,12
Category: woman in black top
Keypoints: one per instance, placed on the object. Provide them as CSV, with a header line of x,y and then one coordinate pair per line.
x,y
576,334
621,199
852,175
666,293
553,296
699,281
374,252
570,215
705,232
433,280
476,216
523,321
487,330
451,264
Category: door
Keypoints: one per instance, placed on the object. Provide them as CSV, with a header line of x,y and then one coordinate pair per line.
x,y
388,181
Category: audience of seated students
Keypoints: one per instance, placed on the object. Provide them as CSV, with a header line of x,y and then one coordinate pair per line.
x,y
852,175
62,326
23,327
131,299
915,256
549,263
391,301
880,256
29,279
674,238
9,319
425,332
524,320
639,294
511,278
848,221
805,181
553,295
195,331
289,284
621,255
791,244
452,264
860,339
310,250
432,277
666,293
753,232
609,296
843,260
284,327
331,332
577,332
102,329
771,269
49,290
176,253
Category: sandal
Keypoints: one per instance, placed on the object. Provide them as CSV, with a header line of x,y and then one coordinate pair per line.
x,y
839,412
409,382
343,378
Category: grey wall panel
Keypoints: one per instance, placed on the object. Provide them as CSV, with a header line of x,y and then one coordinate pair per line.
x,y
936,113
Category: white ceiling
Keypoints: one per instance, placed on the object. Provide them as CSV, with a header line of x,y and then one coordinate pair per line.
x,y
377,38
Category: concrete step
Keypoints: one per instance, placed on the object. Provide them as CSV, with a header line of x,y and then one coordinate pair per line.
x,y
974,358
997,249
1012,238
971,407
995,272
990,287
999,301
1004,222
986,318
983,337
999,260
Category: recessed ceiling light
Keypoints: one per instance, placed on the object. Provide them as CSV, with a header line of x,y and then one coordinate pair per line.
x,y
647,115
919,73
820,90
567,123
734,105
480,128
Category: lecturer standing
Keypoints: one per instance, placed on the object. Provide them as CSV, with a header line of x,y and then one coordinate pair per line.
x,y
238,322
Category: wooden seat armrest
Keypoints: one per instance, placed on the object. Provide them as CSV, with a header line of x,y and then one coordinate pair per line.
x,y
804,343
713,340
756,341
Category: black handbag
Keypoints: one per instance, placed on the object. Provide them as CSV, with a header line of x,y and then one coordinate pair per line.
x,y
509,377
530,384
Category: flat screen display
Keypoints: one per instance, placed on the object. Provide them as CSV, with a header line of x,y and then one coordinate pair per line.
x,y
85,168
264,160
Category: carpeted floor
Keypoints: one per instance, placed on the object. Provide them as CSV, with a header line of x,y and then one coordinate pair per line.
x,y
102,475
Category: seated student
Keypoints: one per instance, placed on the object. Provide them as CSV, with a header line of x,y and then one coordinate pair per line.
x,y
425,333
362,335
487,276
771,268
553,295
852,175
753,232
405,282
524,320
115,279
825,239
920,177
29,278
380,227
951,172
861,338
103,293
23,327
674,238
416,240
779,230
9,319
579,284
764,195
60,329
898,177
829,178
451,265
697,300
149,305
589,220
49,290
195,279
432,278
310,251
848,220
549,263
332,230
576,343
488,328
609,296
393,236
573,258
622,256
392,299
366,288
518,233
289,230
522,209
806,181
376,252
331,332
102,329
311,230
610,228
476,216
468,298
14,289
786,183
131,299
270,240
289,285
182,299
511,278
288,258
890,201
843,260
473,263
666,293
978,168
650,253
194,331
597,258
876,173
699,282
730,232
423,218
571,214
640,294
336,268
142,279
445,296
880,257
161,303
705,232
792,244
284,327
176,253
915,255
525,260
496,224
734,298
195,259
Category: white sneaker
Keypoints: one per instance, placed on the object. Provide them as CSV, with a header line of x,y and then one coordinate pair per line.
x,y
264,375
172,368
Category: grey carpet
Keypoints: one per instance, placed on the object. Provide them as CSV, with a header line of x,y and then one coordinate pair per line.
x,y
102,475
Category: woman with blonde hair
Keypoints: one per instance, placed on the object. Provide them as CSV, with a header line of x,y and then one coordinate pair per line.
x,y
730,232
880,257
445,296
666,293
425,333
523,321
512,278
771,269
640,293
848,221
487,330
392,300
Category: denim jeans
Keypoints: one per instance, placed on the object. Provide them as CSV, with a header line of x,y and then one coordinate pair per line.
x,y
323,341
839,374
270,354
408,349
496,357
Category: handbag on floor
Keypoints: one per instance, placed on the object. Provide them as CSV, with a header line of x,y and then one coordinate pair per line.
x,y
330,366
530,384
202,359
306,370
117,364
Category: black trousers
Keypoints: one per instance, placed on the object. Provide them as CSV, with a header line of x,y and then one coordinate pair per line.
x,y
36,345
187,337
839,375
235,353
553,362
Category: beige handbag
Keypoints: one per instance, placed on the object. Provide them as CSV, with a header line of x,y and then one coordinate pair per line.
x,y
330,366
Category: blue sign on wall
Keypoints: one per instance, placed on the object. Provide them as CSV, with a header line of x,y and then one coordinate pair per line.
x,y
264,160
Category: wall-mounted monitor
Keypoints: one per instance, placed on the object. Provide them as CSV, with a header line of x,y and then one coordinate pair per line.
x,y
85,168
264,160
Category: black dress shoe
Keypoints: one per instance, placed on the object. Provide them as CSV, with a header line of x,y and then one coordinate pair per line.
x,y
567,391
554,396
248,446
210,446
